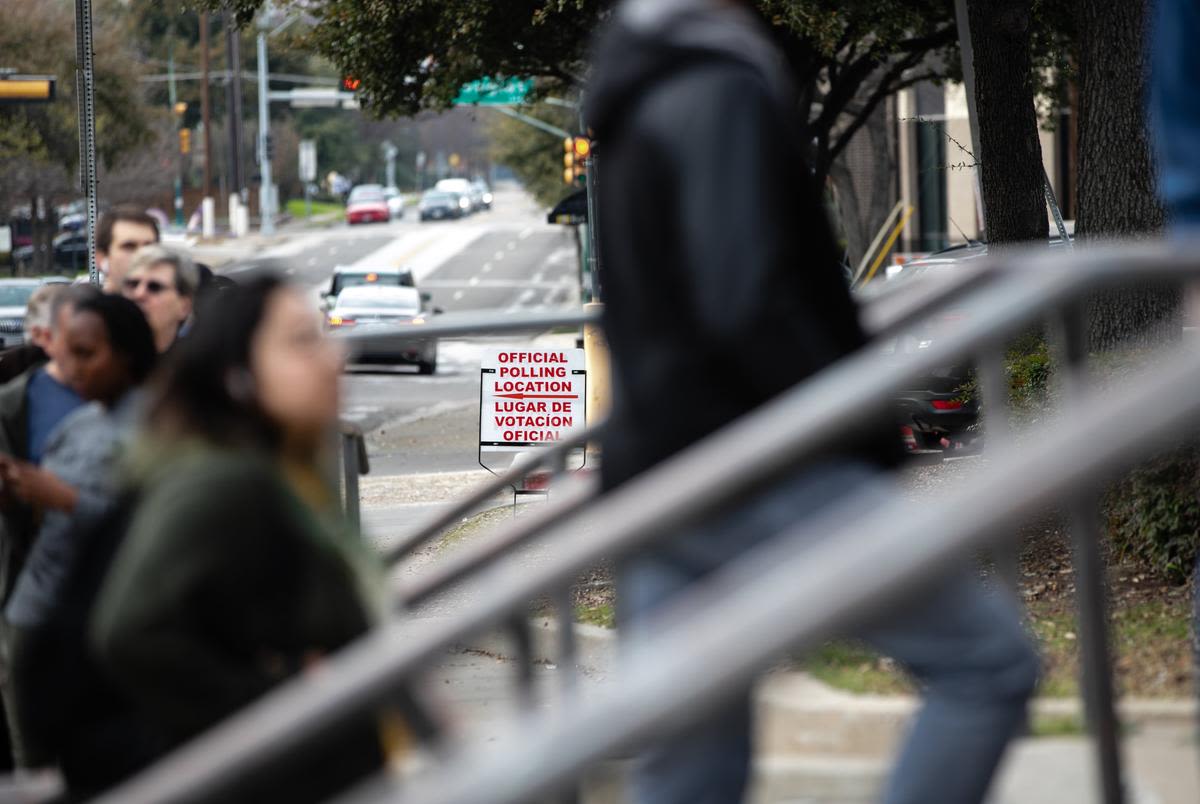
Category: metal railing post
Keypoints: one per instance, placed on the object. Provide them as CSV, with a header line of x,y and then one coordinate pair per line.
x,y
993,387
565,603
568,668
1095,663
354,463
522,635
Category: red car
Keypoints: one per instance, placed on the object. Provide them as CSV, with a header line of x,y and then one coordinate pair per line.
x,y
367,204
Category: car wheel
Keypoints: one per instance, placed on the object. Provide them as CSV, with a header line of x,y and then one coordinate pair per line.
x,y
427,367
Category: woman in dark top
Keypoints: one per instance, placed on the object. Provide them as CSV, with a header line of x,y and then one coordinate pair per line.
x,y
236,571
107,353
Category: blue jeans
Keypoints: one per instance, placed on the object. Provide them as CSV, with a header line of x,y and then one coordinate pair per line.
x,y
964,645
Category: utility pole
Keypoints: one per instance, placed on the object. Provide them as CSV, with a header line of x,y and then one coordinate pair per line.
x,y
178,120
85,88
266,217
390,151
205,107
234,113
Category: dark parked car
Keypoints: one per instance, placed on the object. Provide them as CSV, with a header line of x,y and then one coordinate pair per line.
x,y
354,276
70,253
441,204
936,406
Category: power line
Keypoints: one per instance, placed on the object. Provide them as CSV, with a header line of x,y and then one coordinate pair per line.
x,y
224,75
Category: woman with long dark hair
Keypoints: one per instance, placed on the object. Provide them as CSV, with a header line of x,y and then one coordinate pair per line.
x,y
236,571
107,354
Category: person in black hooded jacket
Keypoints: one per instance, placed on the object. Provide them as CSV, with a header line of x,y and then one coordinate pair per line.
x,y
722,290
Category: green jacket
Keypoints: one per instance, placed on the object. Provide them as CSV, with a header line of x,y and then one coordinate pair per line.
x,y
227,583
17,524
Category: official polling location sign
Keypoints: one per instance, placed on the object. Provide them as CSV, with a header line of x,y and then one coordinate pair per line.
x,y
530,397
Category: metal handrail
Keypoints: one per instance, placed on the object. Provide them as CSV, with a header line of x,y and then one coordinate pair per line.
x,y
458,325
820,579
884,314
484,491
746,455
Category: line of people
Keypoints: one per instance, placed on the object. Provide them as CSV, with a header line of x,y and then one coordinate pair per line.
x,y
170,548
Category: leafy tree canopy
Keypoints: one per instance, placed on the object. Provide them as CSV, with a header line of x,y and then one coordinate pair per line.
x,y
38,140
849,55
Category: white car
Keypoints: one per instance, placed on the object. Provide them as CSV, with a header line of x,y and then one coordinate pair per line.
x,y
395,202
485,194
381,305
14,299
463,188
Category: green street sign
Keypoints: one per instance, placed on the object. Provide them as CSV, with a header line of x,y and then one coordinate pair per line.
x,y
495,92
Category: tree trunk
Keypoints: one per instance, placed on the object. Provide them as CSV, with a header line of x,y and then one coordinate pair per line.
x,y
862,216
1010,151
1117,186
849,211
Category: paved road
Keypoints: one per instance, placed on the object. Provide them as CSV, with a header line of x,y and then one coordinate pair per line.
x,y
506,259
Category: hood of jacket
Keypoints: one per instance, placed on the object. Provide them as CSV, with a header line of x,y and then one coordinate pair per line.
x,y
648,40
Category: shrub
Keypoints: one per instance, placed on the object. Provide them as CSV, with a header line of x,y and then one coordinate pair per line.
x,y
1154,513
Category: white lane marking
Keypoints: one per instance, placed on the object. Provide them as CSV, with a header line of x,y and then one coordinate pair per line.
x,y
512,246
474,281
424,250
499,256
458,294
333,250
290,271
539,276
312,261
525,233
487,267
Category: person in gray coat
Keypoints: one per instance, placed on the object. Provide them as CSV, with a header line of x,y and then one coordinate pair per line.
x,y
108,353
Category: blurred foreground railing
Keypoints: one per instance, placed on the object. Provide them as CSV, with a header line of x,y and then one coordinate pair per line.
x,y
804,595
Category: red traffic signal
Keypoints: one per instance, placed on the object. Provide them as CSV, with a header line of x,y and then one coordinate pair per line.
x,y
350,83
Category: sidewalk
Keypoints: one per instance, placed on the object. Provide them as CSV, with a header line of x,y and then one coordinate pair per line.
x,y
817,745
225,249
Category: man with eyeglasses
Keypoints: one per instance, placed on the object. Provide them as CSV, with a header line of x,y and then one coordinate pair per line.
x,y
163,284
121,231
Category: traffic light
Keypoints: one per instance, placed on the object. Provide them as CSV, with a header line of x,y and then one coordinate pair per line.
x,y
26,88
350,83
576,151
185,140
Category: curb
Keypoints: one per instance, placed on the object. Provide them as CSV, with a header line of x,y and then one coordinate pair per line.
x,y
799,714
